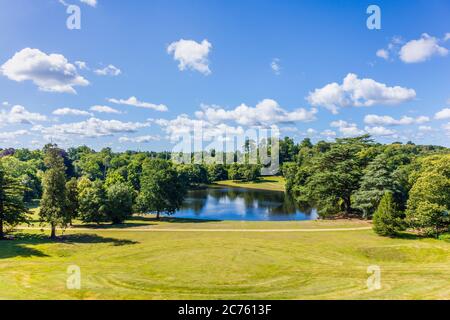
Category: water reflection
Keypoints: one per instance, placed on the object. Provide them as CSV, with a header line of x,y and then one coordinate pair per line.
x,y
224,203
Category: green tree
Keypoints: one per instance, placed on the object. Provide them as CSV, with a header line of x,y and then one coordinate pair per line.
x,y
72,199
161,189
387,219
12,209
54,199
92,201
120,198
374,184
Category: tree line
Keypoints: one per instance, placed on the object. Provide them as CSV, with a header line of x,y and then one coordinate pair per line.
x,y
99,187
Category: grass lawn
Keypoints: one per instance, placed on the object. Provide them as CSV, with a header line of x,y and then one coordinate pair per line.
x,y
273,183
136,264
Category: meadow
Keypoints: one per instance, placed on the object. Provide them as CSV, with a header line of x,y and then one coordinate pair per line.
x,y
223,260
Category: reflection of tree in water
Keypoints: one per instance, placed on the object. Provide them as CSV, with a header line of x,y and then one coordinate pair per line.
x,y
196,201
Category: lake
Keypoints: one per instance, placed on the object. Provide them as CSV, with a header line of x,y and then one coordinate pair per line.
x,y
228,203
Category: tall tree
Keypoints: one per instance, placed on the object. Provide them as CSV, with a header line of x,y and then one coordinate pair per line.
x,y
54,199
92,201
161,189
72,199
120,198
12,209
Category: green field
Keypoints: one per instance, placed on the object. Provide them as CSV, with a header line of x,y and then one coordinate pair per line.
x,y
273,183
205,260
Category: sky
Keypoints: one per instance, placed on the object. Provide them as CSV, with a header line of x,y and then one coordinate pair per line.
x,y
140,75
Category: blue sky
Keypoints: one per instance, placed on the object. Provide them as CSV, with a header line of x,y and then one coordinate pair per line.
x,y
233,65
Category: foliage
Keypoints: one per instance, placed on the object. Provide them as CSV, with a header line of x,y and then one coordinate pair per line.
x,y
54,202
120,197
92,201
161,189
12,209
72,199
387,219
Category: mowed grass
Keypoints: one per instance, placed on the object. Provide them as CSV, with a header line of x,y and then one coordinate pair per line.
x,y
132,264
273,183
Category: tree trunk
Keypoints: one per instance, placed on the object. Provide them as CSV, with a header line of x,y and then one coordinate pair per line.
x,y
53,235
157,216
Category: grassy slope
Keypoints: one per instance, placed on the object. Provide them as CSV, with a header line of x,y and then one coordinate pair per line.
x,y
206,265
266,183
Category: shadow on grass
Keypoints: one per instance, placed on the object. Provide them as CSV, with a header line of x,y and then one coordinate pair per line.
x,y
124,225
19,245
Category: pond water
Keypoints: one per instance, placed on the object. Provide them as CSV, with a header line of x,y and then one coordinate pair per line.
x,y
226,203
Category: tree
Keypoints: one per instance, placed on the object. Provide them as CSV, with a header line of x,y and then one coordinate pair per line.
x,y
428,205
336,175
376,181
72,199
92,201
120,198
387,219
12,209
54,199
161,189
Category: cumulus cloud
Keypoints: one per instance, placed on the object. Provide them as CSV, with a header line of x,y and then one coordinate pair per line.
x,y
71,112
266,112
380,131
8,136
20,115
110,70
359,93
104,109
443,114
90,128
198,129
347,129
52,73
421,49
133,101
140,139
191,55
81,65
372,119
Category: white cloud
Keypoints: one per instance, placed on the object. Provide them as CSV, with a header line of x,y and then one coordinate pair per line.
x,y
374,120
90,128
347,129
140,139
191,55
19,115
421,50
266,112
328,133
198,129
359,93
425,128
8,136
81,65
447,36
92,3
105,109
275,66
443,114
51,73
110,70
379,131
133,101
382,53
71,112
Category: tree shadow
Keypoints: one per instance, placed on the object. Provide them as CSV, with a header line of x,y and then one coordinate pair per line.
x,y
409,236
124,225
19,245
